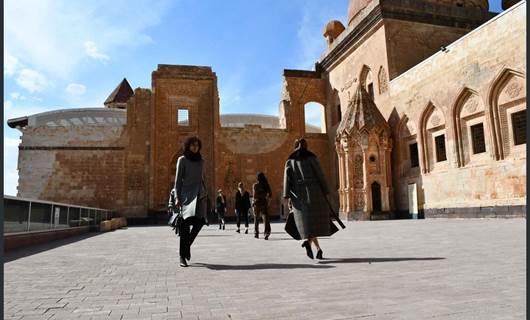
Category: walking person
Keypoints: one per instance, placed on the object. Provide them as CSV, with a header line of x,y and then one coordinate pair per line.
x,y
242,206
261,194
306,191
191,196
220,208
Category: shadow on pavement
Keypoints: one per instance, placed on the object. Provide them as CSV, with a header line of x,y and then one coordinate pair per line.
x,y
374,260
34,249
260,266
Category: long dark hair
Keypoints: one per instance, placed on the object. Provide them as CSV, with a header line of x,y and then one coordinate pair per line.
x,y
300,150
187,152
262,181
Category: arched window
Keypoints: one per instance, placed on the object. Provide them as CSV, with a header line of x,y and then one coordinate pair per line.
x,y
434,139
367,81
471,128
315,118
409,161
507,114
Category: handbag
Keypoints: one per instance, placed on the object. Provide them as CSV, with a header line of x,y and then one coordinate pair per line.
x,y
176,220
290,227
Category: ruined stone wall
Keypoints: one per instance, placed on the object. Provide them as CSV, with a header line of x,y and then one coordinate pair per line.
x,y
138,152
180,87
481,79
78,164
243,152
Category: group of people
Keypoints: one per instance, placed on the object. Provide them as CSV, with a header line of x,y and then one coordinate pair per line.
x,y
304,189
261,195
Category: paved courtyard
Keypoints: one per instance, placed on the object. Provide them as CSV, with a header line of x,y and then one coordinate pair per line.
x,y
439,269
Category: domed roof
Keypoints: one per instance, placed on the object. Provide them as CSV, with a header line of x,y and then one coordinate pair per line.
x,y
357,6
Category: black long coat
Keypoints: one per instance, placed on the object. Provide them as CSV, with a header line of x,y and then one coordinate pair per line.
x,y
305,185
242,202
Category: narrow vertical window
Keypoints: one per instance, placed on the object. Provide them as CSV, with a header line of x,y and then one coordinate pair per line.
x,y
414,158
519,127
183,117
339,113
440,148
370,88
477,138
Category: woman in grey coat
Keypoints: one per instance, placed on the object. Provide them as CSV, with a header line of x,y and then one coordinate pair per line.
x,y
305,188
191,194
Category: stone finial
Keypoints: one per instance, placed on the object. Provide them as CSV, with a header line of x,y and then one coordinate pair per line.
x,y
333,29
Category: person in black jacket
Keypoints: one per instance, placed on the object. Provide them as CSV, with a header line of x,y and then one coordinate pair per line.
x,y
220,208
242,206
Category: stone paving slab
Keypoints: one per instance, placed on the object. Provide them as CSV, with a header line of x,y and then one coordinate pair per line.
x,y
402,269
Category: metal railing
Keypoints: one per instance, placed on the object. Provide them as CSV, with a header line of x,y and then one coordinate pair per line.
x,y
25,215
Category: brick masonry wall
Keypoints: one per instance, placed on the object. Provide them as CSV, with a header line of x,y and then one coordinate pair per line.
x,y
81,165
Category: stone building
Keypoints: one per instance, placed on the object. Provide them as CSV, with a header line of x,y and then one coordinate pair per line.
x,y
424,105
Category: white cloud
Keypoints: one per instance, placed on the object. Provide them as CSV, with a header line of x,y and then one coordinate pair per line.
x,y
92,51
32,80
311,41
50,35
10,63
8,105
76,89
18,96
10,164
11,142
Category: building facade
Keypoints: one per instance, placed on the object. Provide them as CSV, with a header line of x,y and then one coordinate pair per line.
x,y
424,104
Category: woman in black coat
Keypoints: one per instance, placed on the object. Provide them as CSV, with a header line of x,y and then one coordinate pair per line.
x,y
242,206
306,190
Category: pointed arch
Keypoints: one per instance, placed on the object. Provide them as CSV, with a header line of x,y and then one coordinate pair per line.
x,y
498,83
463,96
428,110
366,80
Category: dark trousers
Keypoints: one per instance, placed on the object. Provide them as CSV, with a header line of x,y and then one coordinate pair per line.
x,y
242,215
261,212
186,236
221,217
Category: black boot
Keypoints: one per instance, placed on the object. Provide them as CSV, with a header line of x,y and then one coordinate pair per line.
x,y
183,262
319,254
308,250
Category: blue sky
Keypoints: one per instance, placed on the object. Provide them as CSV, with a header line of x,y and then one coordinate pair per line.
x,y
64,54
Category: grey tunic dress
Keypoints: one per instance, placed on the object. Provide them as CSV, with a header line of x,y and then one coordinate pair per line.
x,y
190,187
305,185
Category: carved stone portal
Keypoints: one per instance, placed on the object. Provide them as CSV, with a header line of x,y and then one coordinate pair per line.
x,y
363,145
